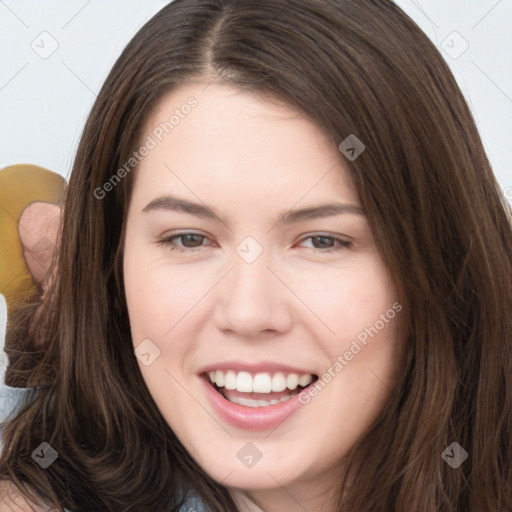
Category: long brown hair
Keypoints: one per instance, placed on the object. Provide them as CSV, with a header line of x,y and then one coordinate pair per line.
x,y
354,67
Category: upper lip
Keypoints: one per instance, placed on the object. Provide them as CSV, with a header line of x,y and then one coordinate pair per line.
x,y
261,367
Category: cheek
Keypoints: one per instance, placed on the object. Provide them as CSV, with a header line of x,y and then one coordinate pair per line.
x,y
158,294
348,299
164,304
356,324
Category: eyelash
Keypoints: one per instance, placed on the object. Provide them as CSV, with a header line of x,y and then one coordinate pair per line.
x,y
169,242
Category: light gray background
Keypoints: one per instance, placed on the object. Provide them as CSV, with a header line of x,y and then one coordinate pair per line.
x,y
45,97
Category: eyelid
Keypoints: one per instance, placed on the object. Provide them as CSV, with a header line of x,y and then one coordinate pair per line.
x,y
326,234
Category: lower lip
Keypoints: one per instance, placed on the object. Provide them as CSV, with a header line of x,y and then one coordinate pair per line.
x,y
251,418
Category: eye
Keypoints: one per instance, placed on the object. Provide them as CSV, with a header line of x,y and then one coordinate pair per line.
x,y
193,241
327,243
190,241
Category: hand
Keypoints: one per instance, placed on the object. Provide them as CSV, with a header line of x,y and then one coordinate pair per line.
x,y
39,228
39,232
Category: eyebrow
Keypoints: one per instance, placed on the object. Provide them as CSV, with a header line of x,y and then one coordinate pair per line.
x,y
176,204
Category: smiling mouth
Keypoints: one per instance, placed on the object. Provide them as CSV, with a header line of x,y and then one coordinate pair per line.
x,y
258,389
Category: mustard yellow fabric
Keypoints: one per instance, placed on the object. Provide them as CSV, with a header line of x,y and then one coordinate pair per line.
x,y
20,186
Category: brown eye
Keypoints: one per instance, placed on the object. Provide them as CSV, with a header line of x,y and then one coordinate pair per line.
x,y
326,243
189,242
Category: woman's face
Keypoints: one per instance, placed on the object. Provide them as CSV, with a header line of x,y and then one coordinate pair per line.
x,y
236,271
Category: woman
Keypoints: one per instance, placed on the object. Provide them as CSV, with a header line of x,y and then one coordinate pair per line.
x,y
334,330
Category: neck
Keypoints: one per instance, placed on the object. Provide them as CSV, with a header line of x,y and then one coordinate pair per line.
x,y
292,498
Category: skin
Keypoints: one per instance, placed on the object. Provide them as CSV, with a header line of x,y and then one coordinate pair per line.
x,y
251,161
12,500
38,229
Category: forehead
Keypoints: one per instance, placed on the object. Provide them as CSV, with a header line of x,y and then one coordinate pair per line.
x,y
218,137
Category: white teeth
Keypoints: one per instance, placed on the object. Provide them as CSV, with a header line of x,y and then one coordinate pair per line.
x,y
219,378
278,382
256,403
263,382
244,382
230,380
292,381
305,380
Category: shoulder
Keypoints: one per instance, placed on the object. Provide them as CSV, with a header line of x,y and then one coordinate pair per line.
x,y
11,400
193,504
12,500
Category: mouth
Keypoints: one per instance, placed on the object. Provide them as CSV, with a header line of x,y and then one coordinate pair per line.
x,y
262,389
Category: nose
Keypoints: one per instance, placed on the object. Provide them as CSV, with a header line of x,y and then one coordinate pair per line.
x,y
252,300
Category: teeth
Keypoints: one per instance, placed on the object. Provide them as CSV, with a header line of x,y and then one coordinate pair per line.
x,y
278,382
292,381
260,382
305,380
244,382
230,380
257,403
219,378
